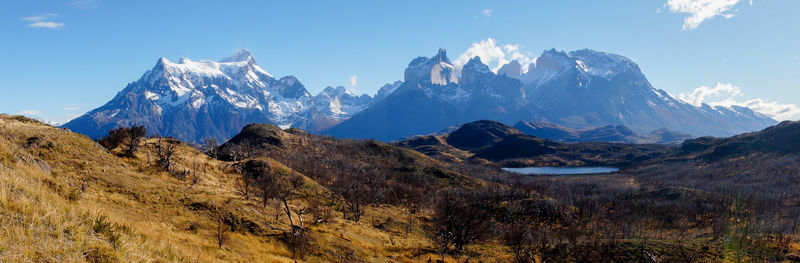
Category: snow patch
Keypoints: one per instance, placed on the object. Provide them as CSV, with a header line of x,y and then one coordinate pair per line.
x,y
150,96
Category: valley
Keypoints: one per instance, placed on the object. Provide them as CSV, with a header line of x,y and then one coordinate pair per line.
x,y
367,201
400,131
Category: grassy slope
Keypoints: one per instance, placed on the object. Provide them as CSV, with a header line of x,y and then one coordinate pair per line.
x,y
64,198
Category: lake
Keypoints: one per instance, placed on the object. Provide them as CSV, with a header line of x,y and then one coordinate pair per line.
x,y
562,170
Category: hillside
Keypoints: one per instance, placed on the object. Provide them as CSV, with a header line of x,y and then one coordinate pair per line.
x,y
332,162
286,195
780,139
497,143
609,133
68,199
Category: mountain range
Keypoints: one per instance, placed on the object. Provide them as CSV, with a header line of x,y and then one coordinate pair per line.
x,y
579,90
582,89
587,88
193,100
432,98
608,133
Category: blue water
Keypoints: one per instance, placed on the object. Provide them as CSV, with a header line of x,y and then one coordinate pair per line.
x,y
562,170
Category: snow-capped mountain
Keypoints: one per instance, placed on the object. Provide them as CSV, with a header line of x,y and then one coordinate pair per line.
x,y
587,88
512,69
432,98
434,70
192,100
340,103
385,90
580,89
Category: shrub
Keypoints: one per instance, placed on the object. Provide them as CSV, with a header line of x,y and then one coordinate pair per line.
x,y
128,136
101,254
299,241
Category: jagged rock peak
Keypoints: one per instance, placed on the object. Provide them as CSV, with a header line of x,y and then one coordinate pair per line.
x,y
441,56
475,64
435,70
240,55
513,69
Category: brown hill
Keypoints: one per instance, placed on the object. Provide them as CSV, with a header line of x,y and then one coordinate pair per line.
x,y
780,139
292,196
494,142
65,198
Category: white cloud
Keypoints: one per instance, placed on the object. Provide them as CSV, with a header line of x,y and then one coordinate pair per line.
x,y
726,94
494,55
43,21
700,10
702,94
774,109
85,4
69,117
487,12
354,80
29,113
72,108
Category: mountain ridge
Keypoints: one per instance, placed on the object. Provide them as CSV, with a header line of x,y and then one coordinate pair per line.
x,y
489,142
579,90
608,133
193,100
587,88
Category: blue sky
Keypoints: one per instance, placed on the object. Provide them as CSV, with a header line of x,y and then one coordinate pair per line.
x,y
63,58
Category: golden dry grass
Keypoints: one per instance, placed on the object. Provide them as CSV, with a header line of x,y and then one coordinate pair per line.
x,y
64,198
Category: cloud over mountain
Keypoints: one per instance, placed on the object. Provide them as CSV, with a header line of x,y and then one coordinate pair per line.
x,y
726,94
700,10
495,55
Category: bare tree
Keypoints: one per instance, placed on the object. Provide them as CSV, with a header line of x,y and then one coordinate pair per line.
x,y
236,152
300,211
298,241
245,185
460,218
280,185
354,194
221,233
164,152
210,147
195,174
135,135
318,208
526,242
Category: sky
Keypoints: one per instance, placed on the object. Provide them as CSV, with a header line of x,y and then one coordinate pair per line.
x,y
61,59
